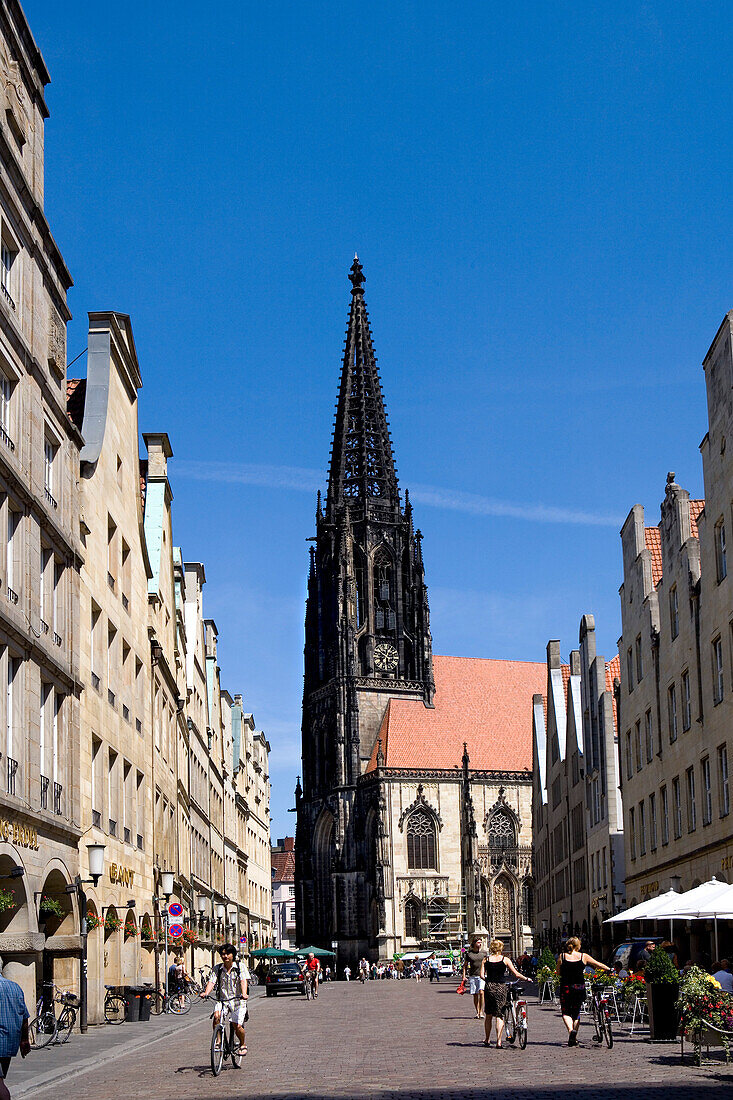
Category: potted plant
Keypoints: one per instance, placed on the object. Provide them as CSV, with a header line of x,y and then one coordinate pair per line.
x,y
662,987
706,1013
112,923
93,921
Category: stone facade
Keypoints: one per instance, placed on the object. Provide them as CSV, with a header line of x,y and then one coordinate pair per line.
x,y
676,614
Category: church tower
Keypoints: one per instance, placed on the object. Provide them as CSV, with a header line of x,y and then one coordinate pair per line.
x,y
367,639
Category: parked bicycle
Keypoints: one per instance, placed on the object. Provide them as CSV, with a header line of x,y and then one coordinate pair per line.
x,y
601,1017
48,1028
114,1005
224,1042
515,1016
177,1003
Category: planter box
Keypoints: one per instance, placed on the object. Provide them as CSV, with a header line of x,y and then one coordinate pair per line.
x,y
662,1004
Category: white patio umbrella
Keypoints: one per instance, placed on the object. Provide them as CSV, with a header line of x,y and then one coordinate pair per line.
x,y
646,910
709,901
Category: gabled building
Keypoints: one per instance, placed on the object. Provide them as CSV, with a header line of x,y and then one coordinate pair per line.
x,y
283,893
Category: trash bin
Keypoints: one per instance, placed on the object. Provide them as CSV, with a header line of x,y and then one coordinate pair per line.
x,y
145,992
132,1003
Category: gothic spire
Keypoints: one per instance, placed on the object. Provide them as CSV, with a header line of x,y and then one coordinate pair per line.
x,y
362,463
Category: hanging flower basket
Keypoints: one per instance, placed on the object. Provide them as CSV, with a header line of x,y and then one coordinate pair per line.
x,y
93,921
7,900
190,936
112,923
50,907
146,934
131,930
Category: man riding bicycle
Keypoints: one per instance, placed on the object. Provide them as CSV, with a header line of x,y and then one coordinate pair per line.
x,y
232,986
312,971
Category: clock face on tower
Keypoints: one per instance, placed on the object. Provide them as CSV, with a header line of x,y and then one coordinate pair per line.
x,y
385,657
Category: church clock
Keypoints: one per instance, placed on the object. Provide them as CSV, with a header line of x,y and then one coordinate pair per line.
x,y
385,657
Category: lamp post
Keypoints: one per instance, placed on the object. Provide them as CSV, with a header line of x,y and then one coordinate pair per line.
x,y
96,867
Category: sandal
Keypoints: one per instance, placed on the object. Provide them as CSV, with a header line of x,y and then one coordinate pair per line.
x,y
487,1043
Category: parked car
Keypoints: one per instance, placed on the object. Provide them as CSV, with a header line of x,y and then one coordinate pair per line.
x,y
627,954
284,978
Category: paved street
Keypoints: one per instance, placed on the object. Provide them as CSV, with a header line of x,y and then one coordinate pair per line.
x,y
386,1040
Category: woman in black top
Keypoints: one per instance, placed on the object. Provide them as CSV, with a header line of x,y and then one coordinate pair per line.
x,y
570,966
494,971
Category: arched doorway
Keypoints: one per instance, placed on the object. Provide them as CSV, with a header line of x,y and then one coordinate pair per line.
x,y
57,921
17,920
503,911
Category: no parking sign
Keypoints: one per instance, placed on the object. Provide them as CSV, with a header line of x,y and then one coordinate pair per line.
x,y
175,931
175,909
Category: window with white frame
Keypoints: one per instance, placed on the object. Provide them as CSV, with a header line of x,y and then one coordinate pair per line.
x,y
674,611
691,802
50,478
723,786
718,684
9,270
672,710
686,701
707,792
649,736
12,743
720,557
664,802
677,801
12,553
6,394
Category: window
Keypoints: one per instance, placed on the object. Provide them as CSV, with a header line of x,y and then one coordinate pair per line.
x,y
674,611
677,797
639,755
632,833
8,271
630,668
639,660
665,815
718,686
686,701
672,709
575,768
642,829
691,806
111,553
6,392
421,841
720,559
502,833
723,788
12,558
649,736
629,762
97,779
50,450
556,787
653,822
42,738
112,799
412,919
707,792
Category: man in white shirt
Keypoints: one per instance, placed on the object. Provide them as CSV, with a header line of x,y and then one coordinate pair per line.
x,y
724,976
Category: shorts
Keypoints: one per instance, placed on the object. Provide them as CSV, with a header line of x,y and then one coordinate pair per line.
x,y
476,985
238,1011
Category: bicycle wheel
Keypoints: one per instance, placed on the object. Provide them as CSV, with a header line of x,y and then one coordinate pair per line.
x,y
179,1003
156,1002
67,1019
522,1028
235,1048
606,1016
217,1050
307,989
42,1030
510,1027
114,1008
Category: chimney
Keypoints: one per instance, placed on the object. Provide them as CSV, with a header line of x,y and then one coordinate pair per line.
x,y
159,451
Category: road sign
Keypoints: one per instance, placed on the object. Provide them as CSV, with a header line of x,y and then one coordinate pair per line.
x,y
175,931
175,909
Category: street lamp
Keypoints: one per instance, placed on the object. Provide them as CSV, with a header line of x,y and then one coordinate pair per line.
x,y
166,883
201,901
95,854
220,911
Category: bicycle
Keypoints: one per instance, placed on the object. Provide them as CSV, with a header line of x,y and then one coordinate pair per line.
x,y
47,1028
515,1016
309,982
601,1017
114,1005
176,1003
224,1042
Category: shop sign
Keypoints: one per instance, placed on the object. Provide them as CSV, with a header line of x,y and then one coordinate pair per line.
x,y
649,888
25,836
726,863
123,875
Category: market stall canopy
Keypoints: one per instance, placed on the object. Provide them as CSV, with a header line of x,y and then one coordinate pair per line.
x,y
646,910
272,953
709,901
317,951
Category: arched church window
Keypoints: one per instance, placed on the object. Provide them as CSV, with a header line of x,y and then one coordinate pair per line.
x,y
384,615
528,903
502,832
421,841
412,919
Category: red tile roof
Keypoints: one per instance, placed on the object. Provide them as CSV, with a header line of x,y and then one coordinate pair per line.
x,y
486,703
283,866
653,539
613,672
696,507
76,389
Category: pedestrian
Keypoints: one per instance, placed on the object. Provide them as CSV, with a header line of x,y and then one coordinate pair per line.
x,y
494,971
723,975
434,969
472,969
646,954
327,974
347,973
13,1027
570,964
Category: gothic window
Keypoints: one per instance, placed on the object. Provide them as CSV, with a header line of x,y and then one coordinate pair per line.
x,y
421,846
503,906
528,903
502,833
384,616
412,919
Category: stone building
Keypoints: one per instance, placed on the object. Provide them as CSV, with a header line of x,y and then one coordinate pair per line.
x,y
411,821
40,549
283,893
115,766
676,670
578,843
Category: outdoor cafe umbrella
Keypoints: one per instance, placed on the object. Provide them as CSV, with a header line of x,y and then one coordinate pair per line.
x,y
314,951
272,953
709,900
646,910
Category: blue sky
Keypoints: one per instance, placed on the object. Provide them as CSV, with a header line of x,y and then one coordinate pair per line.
x,y
540,196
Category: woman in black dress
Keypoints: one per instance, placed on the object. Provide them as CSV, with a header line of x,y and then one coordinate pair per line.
x,y
494,971
570,966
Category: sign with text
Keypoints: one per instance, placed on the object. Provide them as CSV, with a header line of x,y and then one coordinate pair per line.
x,y
23,835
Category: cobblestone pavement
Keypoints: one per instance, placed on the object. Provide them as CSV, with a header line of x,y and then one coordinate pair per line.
x,y
390,1040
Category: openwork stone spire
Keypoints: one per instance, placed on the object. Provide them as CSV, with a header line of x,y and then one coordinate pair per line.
x,y
362,463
